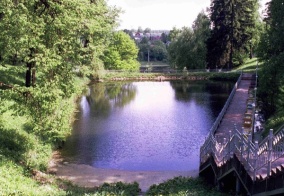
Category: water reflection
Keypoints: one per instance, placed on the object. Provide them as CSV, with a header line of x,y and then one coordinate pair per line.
x,y
145,125
103,97
203,92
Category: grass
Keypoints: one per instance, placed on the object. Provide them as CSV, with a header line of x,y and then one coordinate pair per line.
x,y
20,152
15,180
274,122
250,65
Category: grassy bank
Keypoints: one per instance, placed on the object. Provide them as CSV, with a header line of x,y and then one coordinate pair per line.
x,y
24,154
223,76
250,65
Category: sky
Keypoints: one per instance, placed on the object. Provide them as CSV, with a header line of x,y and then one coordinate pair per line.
x,y
160,14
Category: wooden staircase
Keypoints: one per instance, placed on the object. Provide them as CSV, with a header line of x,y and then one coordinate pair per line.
x,y
234,162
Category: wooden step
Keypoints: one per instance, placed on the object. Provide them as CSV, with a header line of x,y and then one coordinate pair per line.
x,y
282,167
273,171
279,169
259,178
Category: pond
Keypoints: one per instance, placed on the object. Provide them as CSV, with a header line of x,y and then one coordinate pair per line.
x,y
145,126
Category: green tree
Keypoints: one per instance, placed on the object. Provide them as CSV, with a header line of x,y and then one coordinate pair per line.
x,y
147,30
121,53
272,48
140,30
159,51
164,38
180,49
201,31
129,32
144,49
188,48
152,50
173,34
233,22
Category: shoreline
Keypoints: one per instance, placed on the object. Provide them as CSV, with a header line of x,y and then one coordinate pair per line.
x,y
87,176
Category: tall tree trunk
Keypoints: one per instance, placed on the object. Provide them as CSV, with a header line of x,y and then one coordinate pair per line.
x,y
30,73
28,78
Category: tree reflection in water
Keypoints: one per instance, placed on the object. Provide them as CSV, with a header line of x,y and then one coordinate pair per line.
x,y
103,97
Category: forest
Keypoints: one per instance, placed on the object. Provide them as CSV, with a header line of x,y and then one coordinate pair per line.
x,y
50,50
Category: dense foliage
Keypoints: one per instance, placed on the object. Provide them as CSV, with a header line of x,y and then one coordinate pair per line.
x,y
271,79
152,50
187,47
233,23
54,41
122,53
44,46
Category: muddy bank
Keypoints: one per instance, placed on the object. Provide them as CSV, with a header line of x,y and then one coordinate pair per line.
x,y
88,176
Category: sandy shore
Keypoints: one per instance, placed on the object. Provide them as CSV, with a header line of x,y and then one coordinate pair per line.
x,y
88,176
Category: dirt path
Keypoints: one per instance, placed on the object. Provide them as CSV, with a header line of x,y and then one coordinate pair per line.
x,y
87,176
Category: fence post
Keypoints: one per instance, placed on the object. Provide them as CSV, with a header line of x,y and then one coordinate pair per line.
x,y
269,158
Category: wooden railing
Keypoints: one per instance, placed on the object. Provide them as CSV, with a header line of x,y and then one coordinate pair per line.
x,y
257,159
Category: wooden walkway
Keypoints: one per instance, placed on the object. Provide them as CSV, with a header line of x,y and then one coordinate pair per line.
x,y
236,110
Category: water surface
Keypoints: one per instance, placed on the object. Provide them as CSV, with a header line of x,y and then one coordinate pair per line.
x,y
145,125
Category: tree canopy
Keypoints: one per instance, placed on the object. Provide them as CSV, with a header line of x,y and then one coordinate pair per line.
x,y
187,47
233,22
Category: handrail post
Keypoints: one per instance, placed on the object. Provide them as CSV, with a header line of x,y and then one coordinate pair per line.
x,y
236,144
242,142
249,140
230,143
224,149
255,160
269,158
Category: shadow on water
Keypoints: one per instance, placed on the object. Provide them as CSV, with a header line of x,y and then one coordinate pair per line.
x,y
145,125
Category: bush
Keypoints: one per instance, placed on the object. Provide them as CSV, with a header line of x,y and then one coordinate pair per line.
x,y
119,188
182,186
